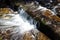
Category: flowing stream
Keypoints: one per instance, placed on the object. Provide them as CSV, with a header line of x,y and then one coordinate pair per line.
x,y
26,21
18,24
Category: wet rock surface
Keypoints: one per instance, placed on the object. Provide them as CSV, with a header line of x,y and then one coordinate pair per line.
x,y
48,18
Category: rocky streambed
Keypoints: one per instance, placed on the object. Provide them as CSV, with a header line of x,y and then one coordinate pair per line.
x,y
46,28
15,26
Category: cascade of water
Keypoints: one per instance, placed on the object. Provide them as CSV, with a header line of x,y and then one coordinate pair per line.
x,y
16,24
27,22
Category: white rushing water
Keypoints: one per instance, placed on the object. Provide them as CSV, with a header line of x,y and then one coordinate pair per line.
x,y
22,21
26,22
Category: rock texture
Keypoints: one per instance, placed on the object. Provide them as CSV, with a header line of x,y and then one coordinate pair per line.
x,y
47,18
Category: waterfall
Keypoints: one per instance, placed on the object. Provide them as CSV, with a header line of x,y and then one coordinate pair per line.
x,y
26,21
17,23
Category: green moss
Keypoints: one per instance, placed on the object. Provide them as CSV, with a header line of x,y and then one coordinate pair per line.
x,y
44,22
0,38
